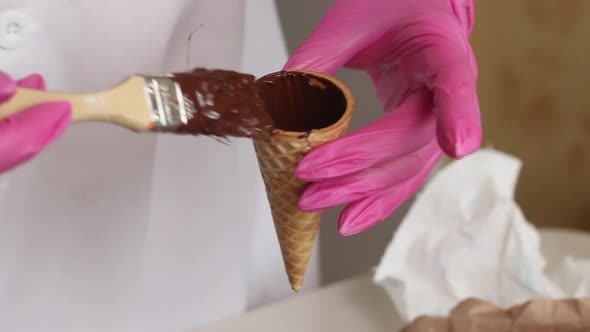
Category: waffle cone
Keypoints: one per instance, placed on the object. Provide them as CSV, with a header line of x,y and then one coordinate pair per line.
x,y
278,157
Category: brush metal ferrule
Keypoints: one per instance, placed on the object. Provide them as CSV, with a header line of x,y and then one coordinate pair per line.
x,y
169,106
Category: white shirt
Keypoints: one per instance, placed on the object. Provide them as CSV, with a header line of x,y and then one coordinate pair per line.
x,y
108,230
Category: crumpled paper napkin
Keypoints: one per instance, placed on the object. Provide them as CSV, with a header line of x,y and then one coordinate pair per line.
x,y
465,237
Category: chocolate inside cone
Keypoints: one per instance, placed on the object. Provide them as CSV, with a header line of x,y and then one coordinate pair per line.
x,y
301,102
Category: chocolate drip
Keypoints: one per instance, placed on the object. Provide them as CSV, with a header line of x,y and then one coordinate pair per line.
x,y
226,104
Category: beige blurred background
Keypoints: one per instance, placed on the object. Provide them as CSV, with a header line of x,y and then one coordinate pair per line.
x,y
534,76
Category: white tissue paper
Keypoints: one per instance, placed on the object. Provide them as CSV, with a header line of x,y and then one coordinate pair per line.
x,y
466,237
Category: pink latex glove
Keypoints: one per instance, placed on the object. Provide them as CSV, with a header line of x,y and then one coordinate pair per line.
x,y
419,59
25,134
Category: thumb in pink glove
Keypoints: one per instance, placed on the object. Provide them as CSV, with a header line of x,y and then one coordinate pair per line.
x,y
25,134
423,69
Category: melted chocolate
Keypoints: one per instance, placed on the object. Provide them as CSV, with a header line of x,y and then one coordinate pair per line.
x,y
227,103
301,102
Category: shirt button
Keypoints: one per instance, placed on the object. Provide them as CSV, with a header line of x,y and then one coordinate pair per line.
x,y
15,29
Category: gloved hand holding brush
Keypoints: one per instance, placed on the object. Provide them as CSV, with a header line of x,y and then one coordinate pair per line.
x,y
423,69
25,134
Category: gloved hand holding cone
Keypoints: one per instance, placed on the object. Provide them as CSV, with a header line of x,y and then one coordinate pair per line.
x,y
308,109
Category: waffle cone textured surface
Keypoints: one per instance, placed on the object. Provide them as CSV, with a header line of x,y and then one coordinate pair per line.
x,y
278,157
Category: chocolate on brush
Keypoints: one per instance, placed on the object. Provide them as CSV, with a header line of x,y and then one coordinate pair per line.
x,y
227,104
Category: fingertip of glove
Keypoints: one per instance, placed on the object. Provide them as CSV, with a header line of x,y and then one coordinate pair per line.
x,y
63,117
305,58
64,109
347,230
48,120
459,146
14,161
323,163
32,81
308,170
7,87
353,221
58,111
359,216
27,133
309,200
301,171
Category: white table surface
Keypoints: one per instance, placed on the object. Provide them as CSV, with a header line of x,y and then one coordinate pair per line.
x,y
358,305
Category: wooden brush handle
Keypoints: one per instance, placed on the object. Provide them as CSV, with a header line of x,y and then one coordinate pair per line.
x,y
124,105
